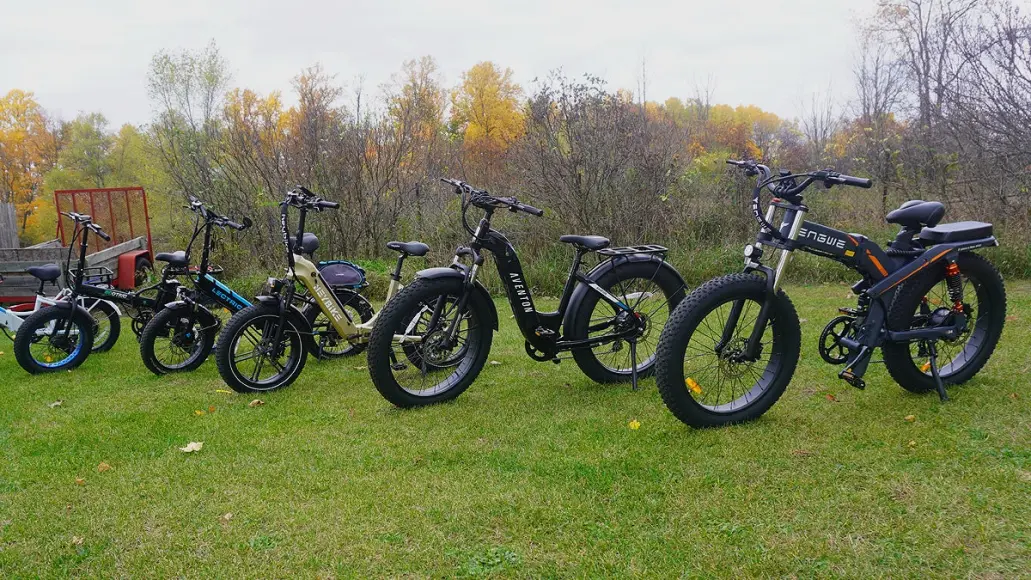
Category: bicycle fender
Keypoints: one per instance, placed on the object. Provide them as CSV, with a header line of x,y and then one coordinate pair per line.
x,y
65,305
118,310
458,271
205,315
581,289
307,332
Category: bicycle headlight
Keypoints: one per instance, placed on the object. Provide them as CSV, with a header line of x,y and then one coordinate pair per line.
x,y
753,252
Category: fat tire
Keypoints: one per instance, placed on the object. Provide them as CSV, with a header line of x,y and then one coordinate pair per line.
x,y
676,336
400,310
23,339
667,279
150,334
224,350
897,356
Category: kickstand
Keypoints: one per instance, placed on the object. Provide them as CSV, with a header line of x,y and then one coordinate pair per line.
x,y
633,364
933,347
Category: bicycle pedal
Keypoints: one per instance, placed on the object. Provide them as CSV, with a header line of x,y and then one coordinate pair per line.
x,y
541,331
398,366
848,311
852,380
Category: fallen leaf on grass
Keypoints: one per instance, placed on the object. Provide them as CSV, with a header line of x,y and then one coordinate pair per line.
x,y
224,518
77,540
831,397
80,481
634,424
192,447
910,418
211,409
912,444
103,467
360,368
1014,396
495,362
56,403
1010,318
224,391
256,403
198,412
802,453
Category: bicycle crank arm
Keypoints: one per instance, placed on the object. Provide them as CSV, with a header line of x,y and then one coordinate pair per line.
x,y
856,368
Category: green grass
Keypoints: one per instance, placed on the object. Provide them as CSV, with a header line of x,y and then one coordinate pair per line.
x,y
533,472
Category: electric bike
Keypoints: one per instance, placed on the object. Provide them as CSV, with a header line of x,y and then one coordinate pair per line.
x,y
934,307
430,343
106,316
264,347
180,337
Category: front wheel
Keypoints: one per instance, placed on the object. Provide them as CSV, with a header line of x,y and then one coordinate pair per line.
x,y
924,302
652,290
177,340
54,339
248,356
414,359
703,372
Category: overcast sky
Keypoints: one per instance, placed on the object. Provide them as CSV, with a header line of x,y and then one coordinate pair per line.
x,y
93,55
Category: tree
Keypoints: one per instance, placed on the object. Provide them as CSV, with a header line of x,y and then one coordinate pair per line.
x,y
486,112
28,148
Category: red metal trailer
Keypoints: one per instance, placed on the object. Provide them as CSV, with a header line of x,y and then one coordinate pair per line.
x,y
114,209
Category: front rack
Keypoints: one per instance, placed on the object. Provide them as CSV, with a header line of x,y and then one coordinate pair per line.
x,y
94,276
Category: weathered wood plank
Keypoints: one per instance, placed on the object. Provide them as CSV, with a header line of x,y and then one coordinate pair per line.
x,y
46,244
8,226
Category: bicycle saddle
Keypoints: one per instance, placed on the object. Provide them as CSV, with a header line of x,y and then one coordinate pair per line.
x,y
173,258
917,213
417,249
309,243
593,243
47,273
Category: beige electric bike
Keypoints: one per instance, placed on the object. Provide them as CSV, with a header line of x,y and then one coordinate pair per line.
x,y
264,347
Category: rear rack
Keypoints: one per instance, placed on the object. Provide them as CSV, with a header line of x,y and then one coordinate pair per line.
x,y
628,250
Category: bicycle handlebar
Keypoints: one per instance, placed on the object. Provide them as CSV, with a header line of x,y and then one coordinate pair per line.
x,y
302,197
786,185
482,199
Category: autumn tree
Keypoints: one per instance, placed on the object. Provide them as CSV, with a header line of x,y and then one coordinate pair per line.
x,y
486,112
28,148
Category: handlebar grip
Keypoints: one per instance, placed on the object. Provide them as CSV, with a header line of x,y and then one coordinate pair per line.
x,y
856,181
235,225
101,233
531,210
323,204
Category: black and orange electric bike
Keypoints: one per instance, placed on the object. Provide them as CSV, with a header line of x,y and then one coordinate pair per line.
x,y
934,307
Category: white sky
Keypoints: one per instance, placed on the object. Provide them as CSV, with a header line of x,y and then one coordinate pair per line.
x,y
93,55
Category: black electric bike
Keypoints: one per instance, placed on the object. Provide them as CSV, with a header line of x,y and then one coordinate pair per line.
x,y
935,308
180,337
432,340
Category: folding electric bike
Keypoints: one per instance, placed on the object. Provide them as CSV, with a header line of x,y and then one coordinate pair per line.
x,y
105,314
264,347
430,342
180,337
935,308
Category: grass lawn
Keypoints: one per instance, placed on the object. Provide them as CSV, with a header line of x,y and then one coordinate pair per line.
x,y
532,472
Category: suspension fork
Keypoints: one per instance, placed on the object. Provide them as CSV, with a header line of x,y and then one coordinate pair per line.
x,y
285,300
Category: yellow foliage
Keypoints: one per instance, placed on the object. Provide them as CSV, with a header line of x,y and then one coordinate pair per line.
x,y
486,107
27,150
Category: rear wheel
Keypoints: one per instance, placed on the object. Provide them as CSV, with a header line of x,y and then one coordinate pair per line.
x,y
251,360
107,325
652,290
177,340
328,341
51,341
924,302
705,380
430,367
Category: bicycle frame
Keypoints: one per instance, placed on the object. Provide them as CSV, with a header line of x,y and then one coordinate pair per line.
x,y
540,329
12,320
